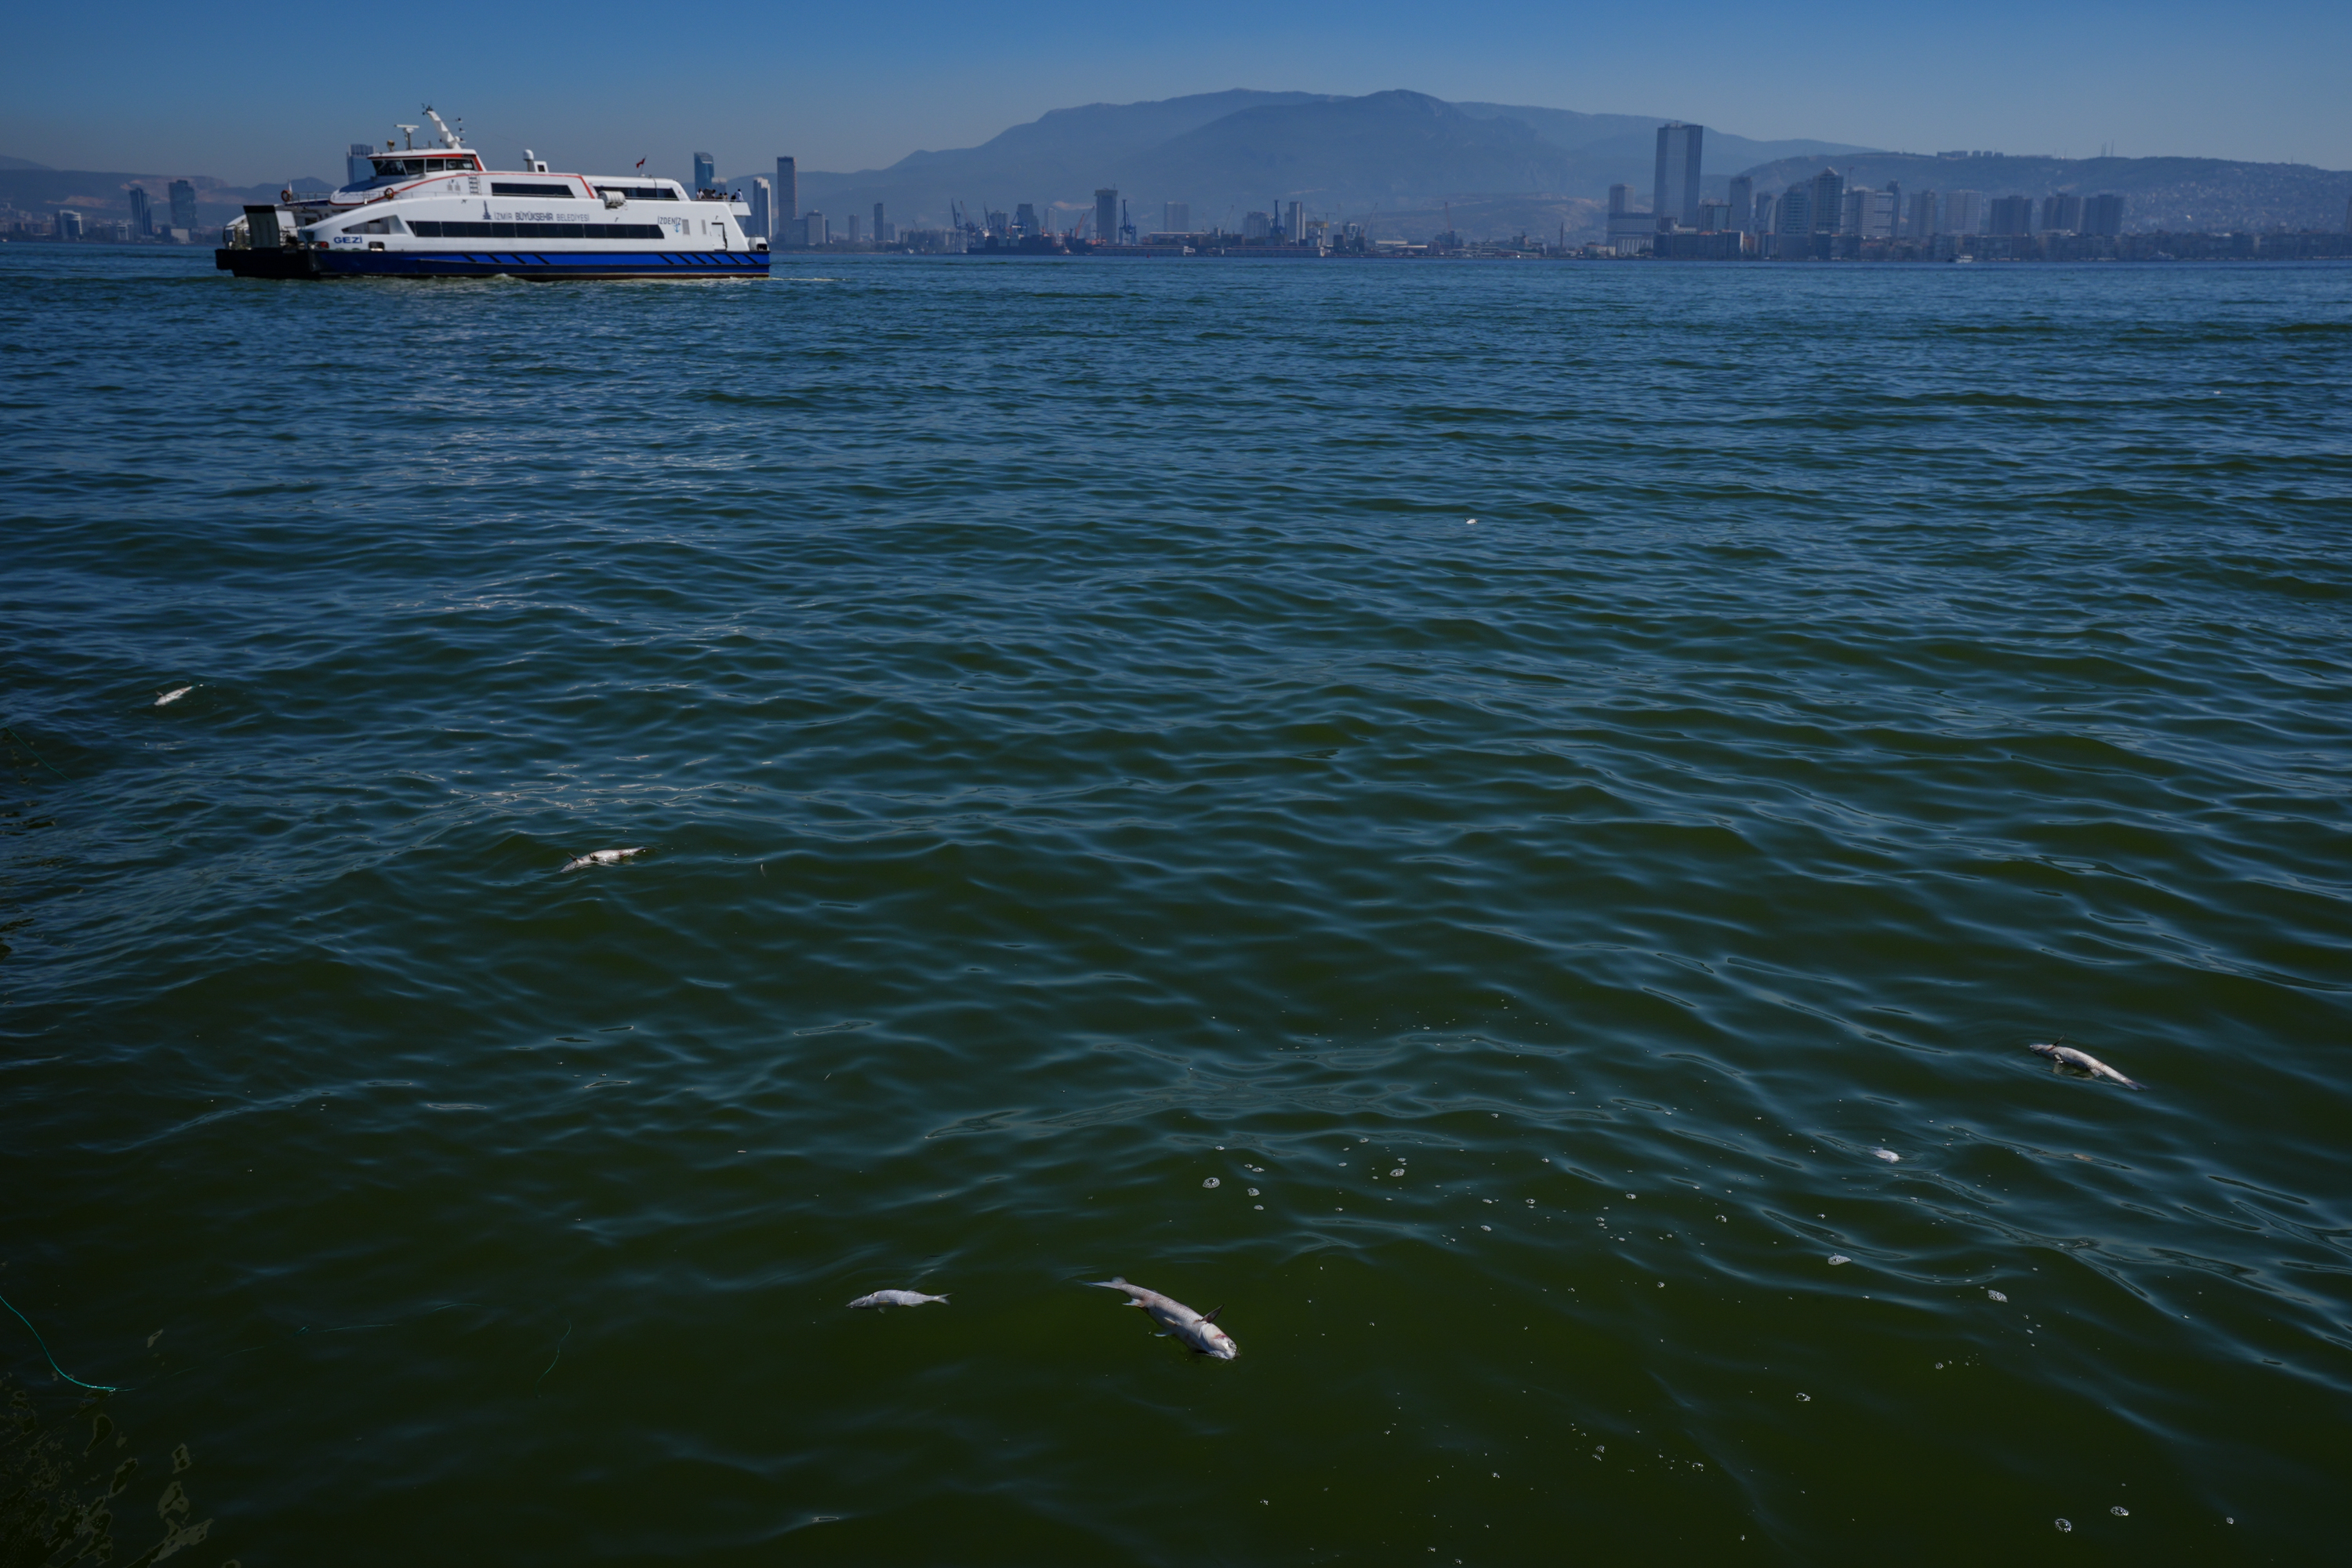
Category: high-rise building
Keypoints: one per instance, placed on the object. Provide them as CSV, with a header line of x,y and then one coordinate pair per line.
x,y
1621,197
1827,201
788,193
1963,213
706,172
1675,194
814,228
1742,217
2063,213
1177,217
1922,222
2104,213
1713,216
183,206
2010,215
763,208
1106,215
357,170
1294,224
1767,210
1794,212
882,231
69,223
1257,225
853,228
142,213
1868,214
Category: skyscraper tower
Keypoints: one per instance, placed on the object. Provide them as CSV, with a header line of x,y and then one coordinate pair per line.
x,y
1743,204
706,172
183,206
1106,215
763,207
1827,201
1294,226
1675,195
143,215
788,193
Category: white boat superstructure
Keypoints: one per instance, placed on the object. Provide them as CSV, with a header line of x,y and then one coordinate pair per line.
x,y
439,211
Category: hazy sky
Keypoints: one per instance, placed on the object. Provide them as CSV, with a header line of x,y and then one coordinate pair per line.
x,y
267,91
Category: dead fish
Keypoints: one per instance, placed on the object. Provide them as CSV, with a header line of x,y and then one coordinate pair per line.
x,y
165,698
600,857
897,1299
2083,1061
1889,1155
1198,1330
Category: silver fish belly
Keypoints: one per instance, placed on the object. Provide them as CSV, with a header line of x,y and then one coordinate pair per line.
x,y
897,1299
600,857
163,698
2082,1061
1195,1330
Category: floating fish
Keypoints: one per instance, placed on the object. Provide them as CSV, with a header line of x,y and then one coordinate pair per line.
x,y
600,857
1889,1155
1198,1330
166,699
2082,1061
897,1299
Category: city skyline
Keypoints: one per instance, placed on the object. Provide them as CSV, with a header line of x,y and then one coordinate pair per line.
x,y
2166,81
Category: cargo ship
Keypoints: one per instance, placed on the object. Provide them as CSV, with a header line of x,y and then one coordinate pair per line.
x,y
438,211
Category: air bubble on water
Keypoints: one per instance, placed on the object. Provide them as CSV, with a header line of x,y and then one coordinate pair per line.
x,y
1804,1399
1996,1295
1253,1192
1210,1181
1398,1172
2064,1525
1838,1258
2120,1512
1888,1154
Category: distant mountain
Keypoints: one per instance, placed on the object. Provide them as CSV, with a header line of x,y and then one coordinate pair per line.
x,y
2192,195
1227,154
8,163
106,193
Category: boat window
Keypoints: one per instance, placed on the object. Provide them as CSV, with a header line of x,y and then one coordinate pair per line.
x,y
639,193
399,168
507,188
432,231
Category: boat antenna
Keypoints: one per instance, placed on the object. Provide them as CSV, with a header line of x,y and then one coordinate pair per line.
x,y
449,137
409,134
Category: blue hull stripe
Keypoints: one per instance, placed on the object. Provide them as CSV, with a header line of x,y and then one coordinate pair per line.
x,y
539,263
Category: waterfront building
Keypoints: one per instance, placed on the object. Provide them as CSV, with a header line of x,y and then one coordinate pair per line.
x,y
1294,226
1176,217
2103,214
1794,212
1742,216
706,172
1767,209
1619,198
1714,218
1106,215
143,213
2063,213
1922,225
69,223
883,232
183,206
1828,200
357,169
1257,225
815,228
1674,193
853,228
1868,214
788,190
763,209
1963,213
2009,216
1630,232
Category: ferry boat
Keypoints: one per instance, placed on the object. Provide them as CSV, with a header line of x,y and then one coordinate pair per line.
x,y
439,212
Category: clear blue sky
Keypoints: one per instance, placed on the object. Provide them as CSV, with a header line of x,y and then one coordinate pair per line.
x,y
270,89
